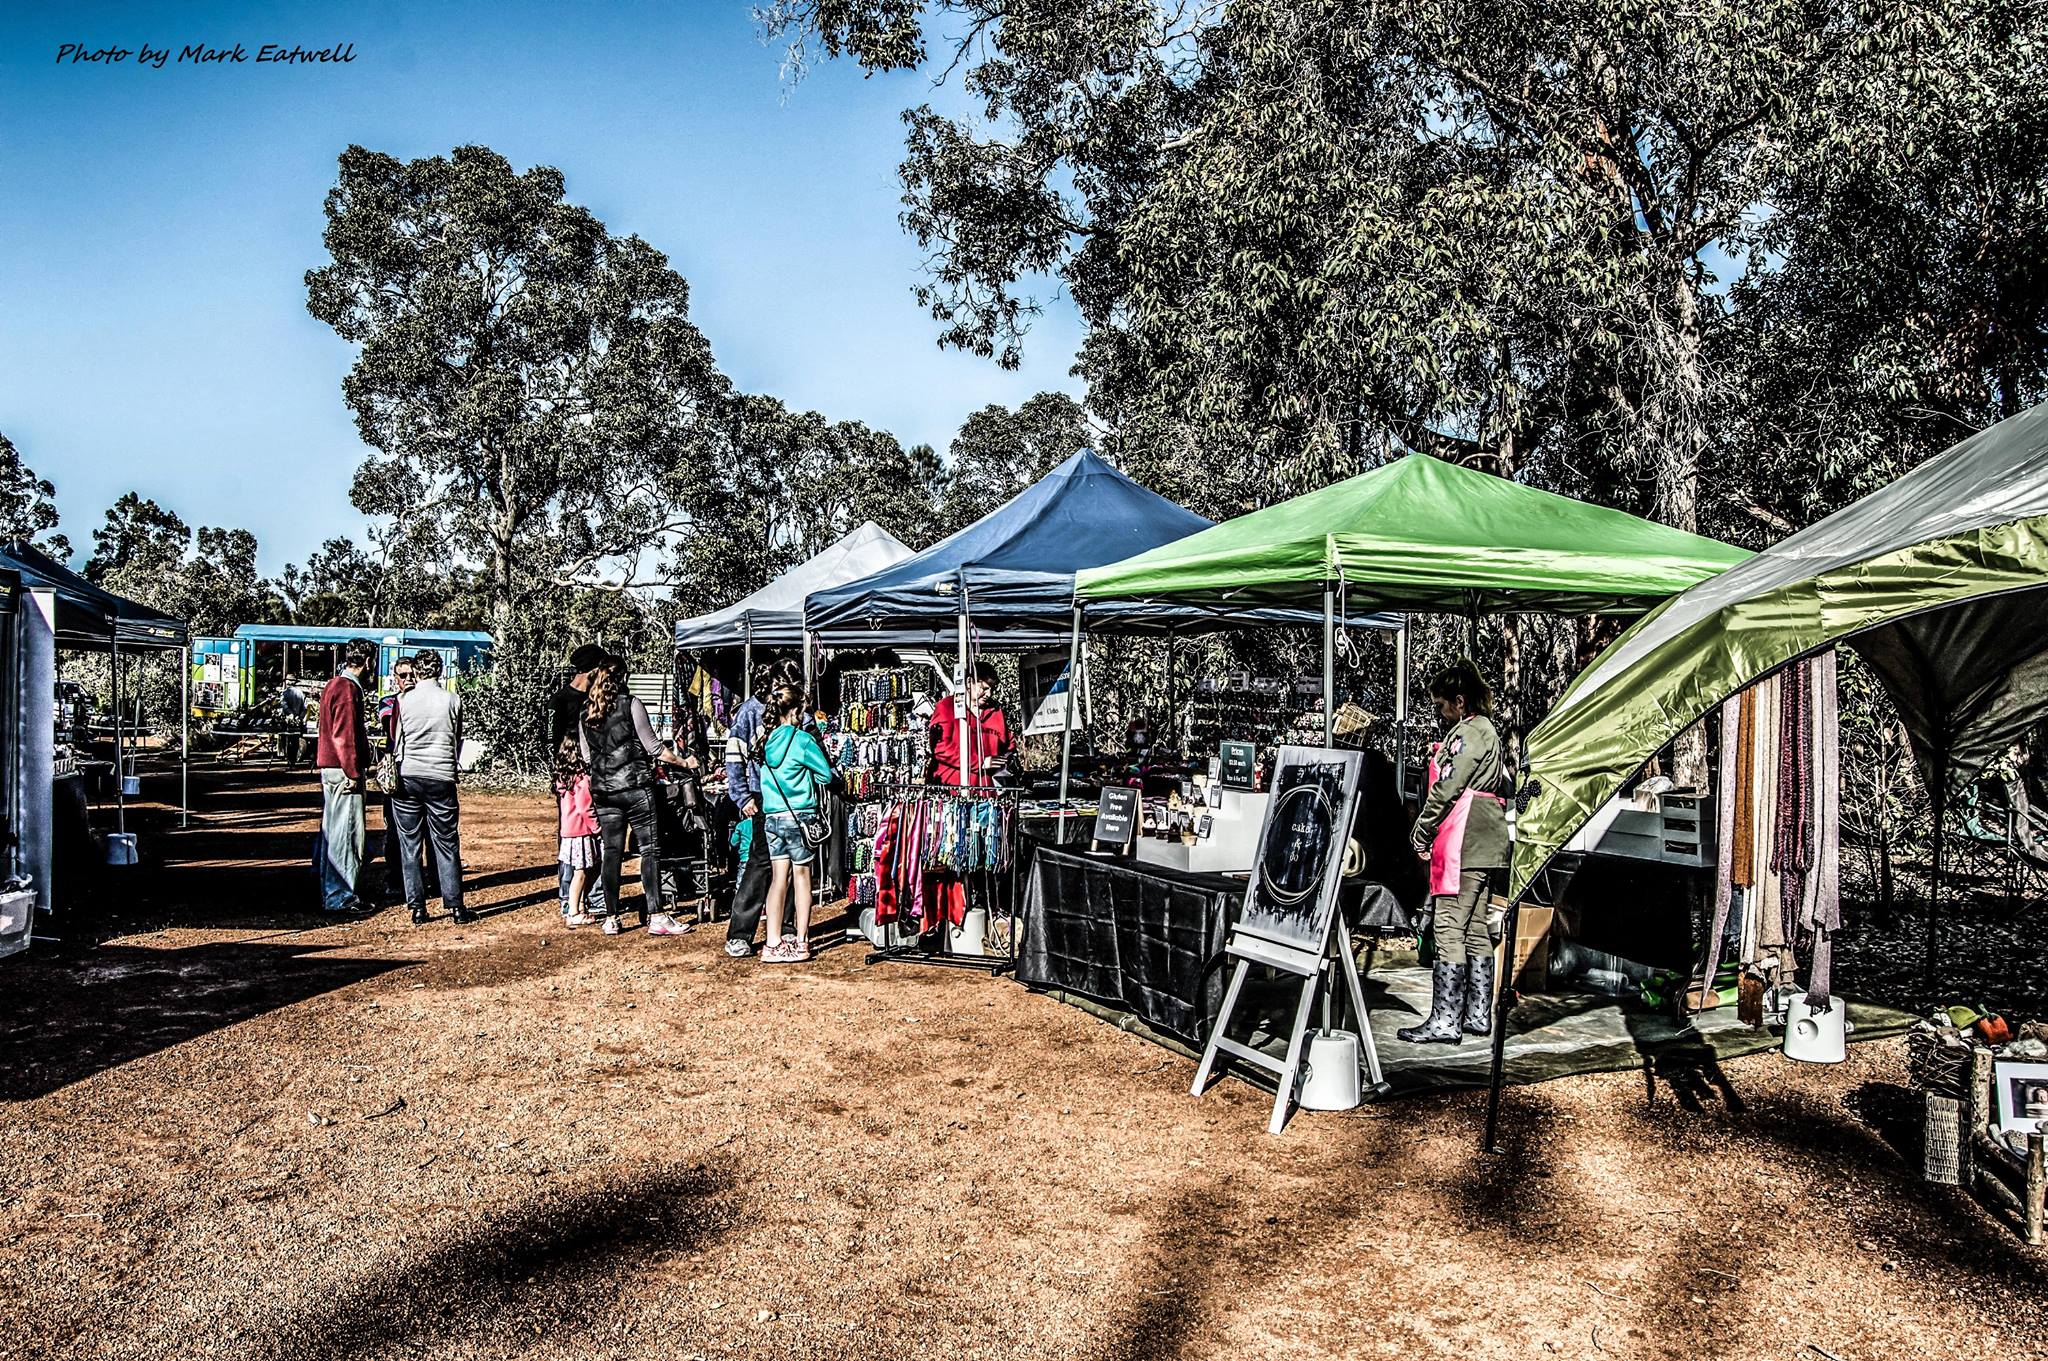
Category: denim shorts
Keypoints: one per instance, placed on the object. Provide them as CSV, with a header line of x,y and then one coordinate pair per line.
x,y
786,838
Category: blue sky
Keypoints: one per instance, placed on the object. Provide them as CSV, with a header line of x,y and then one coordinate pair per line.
x,y
156,225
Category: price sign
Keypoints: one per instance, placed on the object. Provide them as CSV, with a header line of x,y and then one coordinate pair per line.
x,y
1239,761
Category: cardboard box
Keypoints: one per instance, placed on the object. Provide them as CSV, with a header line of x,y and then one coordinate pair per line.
x,y
1533,926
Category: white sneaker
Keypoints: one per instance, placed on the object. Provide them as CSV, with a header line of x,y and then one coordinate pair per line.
x,y
575,919
738,949
611,925
662,924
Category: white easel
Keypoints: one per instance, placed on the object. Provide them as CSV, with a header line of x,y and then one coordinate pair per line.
x,y
1313,968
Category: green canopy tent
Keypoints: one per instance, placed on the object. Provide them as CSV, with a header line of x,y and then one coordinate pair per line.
x,y
1421,535
1937,581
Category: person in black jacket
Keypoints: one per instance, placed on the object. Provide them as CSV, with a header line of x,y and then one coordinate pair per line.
x,y
618,745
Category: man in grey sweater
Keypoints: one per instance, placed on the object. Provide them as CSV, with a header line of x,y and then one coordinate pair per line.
x,y
429,732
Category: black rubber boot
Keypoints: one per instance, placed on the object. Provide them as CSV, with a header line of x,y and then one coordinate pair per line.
x,y
1445,1024
1479,996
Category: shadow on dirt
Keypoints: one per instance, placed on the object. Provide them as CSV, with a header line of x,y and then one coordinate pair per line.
x,y
526,1273
72,1016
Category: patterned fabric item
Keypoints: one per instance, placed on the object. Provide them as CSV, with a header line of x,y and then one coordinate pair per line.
x,y
1823,912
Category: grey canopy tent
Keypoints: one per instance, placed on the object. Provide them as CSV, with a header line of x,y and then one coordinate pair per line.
x,y
774,615
1940,583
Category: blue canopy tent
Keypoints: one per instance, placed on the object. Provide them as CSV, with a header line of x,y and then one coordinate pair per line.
x,y
1008,578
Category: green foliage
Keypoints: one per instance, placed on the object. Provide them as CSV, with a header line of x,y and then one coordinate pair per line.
x,y
28,508
1000,452
148,554
1723,263
538,397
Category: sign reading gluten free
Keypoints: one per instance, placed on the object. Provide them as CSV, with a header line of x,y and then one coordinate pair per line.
x,y
1116,816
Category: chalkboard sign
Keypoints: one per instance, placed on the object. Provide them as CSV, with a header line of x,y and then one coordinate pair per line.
x,y
1116,816
1301,847
1240,759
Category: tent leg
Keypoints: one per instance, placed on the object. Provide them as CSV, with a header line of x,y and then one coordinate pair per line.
x,y
120,761
1401,710
184,737
1329,664
1501,1004
970,768
747,669
1939,799
810,671
1067,721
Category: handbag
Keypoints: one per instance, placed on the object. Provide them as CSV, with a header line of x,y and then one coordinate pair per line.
x,y
815,830
387,764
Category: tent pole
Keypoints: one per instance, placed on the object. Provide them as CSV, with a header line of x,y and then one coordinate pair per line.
x,y
1501,1003
185,736
120,802
965,712
1940,801
1067,720
810,672
1401,710
747,666
1329,663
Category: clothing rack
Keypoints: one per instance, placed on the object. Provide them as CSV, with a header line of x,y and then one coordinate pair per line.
x,y
993,884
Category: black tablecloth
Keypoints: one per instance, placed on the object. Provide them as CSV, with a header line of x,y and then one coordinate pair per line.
x,y
1140,936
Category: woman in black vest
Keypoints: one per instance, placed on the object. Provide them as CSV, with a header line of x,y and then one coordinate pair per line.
x,y
620,749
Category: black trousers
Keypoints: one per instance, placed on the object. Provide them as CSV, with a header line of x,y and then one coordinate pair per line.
x,y
750,895
427,815
639,809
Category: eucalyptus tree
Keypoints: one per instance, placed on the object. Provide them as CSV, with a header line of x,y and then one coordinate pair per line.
x,y
537,396
28,504
1307,233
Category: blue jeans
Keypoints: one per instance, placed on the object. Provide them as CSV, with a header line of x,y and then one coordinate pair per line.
x,y
786,838
593,890
338,850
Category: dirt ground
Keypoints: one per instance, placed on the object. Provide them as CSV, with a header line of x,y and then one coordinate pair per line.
x,y
244,1132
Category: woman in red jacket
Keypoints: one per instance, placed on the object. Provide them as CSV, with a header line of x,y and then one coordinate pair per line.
x,y
985,737
987,734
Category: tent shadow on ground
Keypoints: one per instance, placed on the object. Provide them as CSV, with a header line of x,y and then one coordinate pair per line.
x,y
1947,1233
72,1017
523,1274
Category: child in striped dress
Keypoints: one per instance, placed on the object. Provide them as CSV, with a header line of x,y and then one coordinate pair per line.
x,y
581,853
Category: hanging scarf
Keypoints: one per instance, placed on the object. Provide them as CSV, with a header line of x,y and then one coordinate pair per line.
x,y
1823,912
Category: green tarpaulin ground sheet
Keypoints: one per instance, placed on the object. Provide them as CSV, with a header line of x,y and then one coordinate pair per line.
x,y
1553,1035
1423,535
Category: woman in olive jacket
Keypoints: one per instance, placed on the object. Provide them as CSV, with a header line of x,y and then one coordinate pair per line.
x,y
1463,833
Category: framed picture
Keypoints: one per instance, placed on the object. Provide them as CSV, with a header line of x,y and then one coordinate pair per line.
x,y
2022,1095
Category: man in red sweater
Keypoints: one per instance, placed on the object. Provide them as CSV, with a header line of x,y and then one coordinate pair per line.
x,y
344,757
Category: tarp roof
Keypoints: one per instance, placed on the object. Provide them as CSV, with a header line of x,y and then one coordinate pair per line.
x,y
774,615
1937,581
1423,535
304,633
89,616
1017,564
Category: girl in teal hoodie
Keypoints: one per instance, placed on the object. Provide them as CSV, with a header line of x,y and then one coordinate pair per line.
x,y
794,770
